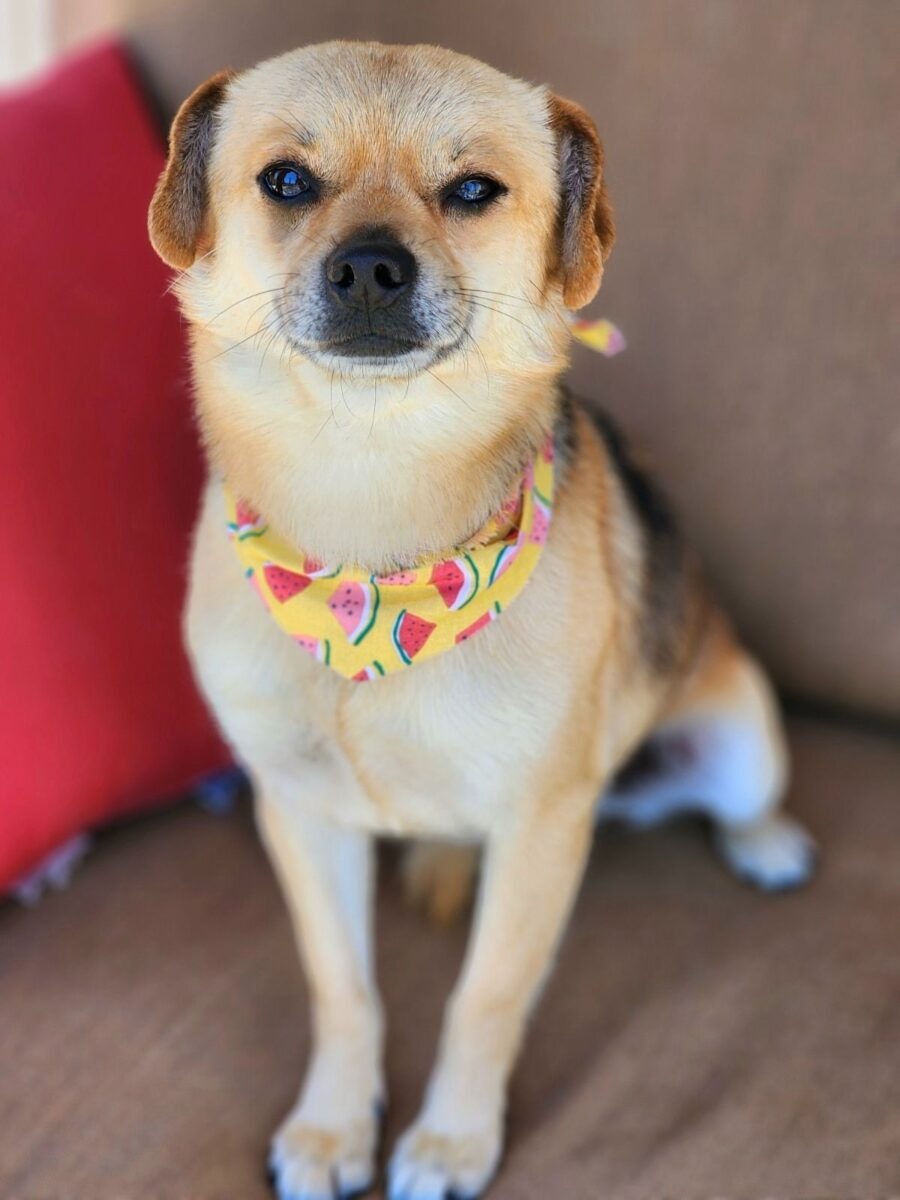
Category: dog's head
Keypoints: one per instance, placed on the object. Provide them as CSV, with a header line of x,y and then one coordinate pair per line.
x,y
382,209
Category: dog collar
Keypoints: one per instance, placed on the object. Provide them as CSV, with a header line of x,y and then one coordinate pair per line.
x,y
365,626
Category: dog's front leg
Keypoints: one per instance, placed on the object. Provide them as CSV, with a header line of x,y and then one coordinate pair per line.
x,y
528,884
326,1146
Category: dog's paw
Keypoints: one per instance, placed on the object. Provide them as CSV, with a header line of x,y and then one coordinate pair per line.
x,y
312,1163
439,877
776,854
427,1165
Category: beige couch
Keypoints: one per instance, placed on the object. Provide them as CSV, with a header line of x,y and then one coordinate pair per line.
x,y
697,1040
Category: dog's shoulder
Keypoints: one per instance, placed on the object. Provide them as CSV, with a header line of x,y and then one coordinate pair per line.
x,y
669,589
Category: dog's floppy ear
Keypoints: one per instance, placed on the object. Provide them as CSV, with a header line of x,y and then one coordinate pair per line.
x,y
178,209
586,228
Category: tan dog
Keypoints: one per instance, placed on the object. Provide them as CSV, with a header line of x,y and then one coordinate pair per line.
x,y
378,244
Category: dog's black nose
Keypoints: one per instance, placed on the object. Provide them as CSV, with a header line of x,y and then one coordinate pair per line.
x,y
369,272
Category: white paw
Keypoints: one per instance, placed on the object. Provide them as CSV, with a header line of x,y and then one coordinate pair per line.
x,y
309,1162
431,1166
775,854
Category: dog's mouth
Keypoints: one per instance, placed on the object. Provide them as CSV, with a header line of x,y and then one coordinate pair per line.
x,y
394,339
371,345
379,352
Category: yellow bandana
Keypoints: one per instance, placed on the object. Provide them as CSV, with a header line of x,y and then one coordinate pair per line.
x,y
600,335
365,626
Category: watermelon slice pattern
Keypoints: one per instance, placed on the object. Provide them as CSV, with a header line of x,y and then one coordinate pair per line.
x,y
313,569
540,525
355,605
410,634
485,619
247,521
244,514
319,648
397,579
456,580
373,671
503,562
285,584
406,614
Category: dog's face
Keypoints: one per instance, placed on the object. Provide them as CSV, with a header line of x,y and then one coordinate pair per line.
x,y
382,209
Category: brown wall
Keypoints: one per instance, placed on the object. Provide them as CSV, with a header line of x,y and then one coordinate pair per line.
x,y
752,155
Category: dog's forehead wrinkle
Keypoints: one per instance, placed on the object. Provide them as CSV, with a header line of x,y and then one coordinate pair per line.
x,y
299,132
340,89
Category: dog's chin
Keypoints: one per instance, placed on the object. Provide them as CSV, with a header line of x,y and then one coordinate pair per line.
x,y
377,355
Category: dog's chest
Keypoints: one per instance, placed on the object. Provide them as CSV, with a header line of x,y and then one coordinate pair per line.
x,y
447,747
444,750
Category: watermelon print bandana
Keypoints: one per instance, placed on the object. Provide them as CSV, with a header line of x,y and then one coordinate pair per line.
x,y
366,626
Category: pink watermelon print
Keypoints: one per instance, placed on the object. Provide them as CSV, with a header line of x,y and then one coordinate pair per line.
x,y
511,507
456,580
284,584
366,626
476,626
355,606
373,671
316,570
247,521
410,634
502,562
540,524
397,579
319,648
244,514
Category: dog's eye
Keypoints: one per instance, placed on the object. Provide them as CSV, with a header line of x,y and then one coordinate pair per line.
x,y
473,192
475,189
285,181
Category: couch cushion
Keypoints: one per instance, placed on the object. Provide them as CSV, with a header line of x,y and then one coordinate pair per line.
x,y
696,1039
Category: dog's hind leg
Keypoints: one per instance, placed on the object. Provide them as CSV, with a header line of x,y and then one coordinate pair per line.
x,y
719,751
439,877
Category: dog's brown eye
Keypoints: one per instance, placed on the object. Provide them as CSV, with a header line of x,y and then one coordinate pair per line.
x,y
286,181
473,191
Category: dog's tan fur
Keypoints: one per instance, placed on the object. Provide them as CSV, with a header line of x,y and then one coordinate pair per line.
x,y
509,740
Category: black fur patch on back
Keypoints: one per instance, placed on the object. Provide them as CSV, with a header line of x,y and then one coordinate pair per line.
x,y
565,435
664,584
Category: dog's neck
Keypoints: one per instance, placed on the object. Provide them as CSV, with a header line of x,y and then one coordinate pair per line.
x,y
372,473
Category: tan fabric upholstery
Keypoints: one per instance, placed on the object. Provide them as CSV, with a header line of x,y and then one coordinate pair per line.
x,y
752,161
696,1040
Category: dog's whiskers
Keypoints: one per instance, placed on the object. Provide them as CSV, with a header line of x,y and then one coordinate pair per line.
x,y
487,295
444,383
344,395
487,375
243,300
374,406
486,307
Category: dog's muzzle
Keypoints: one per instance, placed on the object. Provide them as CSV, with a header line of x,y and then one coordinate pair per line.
x,y
370,282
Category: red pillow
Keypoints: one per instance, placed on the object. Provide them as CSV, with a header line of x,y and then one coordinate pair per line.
x,y
99,471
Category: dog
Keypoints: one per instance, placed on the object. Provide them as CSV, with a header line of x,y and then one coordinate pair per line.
x,y
378,246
